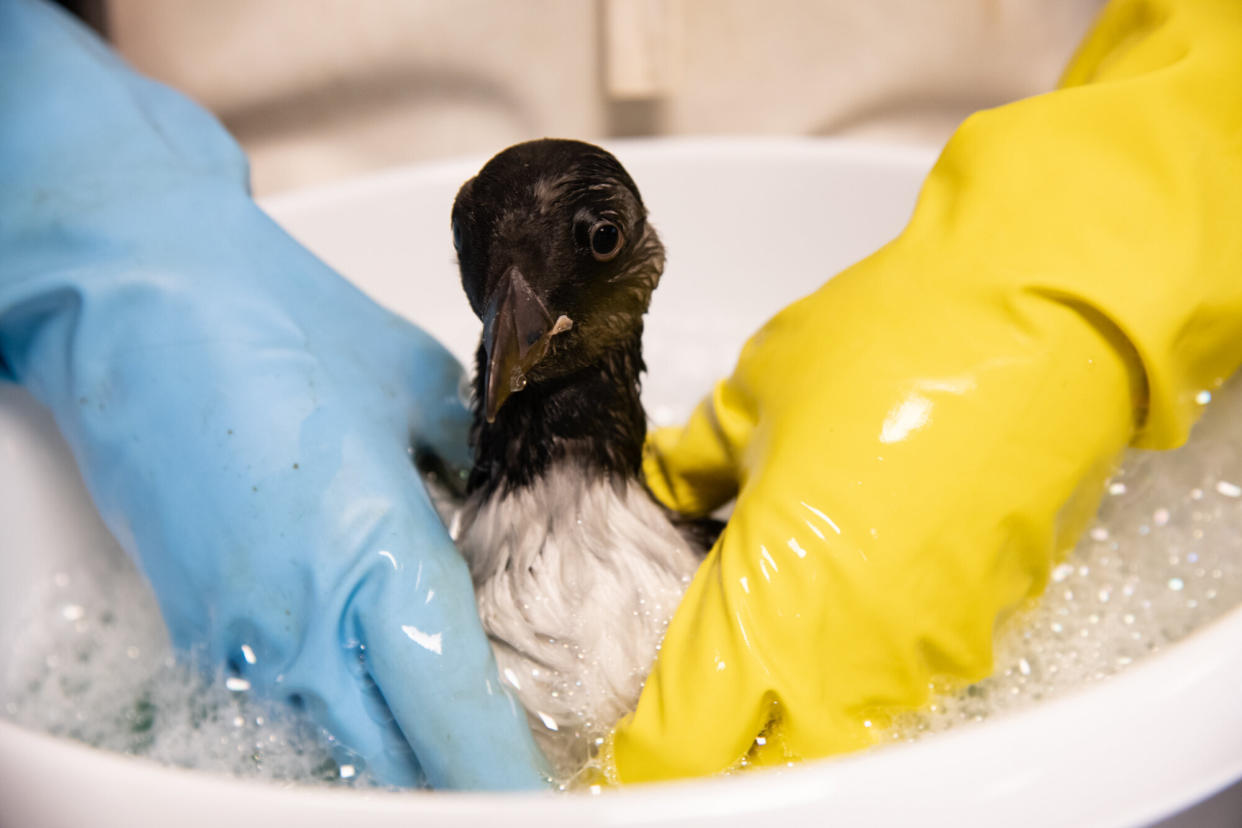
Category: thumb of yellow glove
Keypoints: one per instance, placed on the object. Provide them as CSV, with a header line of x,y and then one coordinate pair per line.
x,y
914,444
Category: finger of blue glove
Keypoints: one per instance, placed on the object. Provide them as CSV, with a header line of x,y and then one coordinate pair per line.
x,y
414,626
390,641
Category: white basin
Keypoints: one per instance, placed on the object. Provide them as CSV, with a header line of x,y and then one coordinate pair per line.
x,y
749,225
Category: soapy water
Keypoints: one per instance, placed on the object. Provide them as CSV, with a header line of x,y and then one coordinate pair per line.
x,y
94,664
1163,557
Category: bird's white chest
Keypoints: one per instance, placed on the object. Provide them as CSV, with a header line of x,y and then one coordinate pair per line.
x,y
576,580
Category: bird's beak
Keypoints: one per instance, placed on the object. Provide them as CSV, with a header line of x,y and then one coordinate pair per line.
x,y
517,330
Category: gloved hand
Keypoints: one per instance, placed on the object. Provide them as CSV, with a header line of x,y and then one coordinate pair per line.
x,y
915,444
241,414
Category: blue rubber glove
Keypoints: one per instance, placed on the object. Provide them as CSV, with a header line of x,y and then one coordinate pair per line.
x,y
241,414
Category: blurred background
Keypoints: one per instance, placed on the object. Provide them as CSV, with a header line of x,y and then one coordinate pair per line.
x,y
317,90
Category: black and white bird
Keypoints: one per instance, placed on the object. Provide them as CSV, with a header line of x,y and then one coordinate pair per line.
x,y
576,568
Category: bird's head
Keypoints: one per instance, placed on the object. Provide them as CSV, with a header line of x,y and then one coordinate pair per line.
x,y
557,260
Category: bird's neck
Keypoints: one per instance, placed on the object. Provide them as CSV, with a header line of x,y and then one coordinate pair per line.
x,y
593,417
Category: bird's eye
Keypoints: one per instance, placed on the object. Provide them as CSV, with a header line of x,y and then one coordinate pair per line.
x,y
457,237
606,241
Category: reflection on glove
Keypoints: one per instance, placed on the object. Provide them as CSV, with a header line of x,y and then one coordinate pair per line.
x,y
913,445
241,414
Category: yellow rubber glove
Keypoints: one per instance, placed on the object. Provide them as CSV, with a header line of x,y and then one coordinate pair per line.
x,y
914,445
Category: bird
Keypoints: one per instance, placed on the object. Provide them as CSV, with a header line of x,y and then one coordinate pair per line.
x,y
577,569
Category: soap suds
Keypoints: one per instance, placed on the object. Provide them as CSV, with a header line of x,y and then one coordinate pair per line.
x,y
94,664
